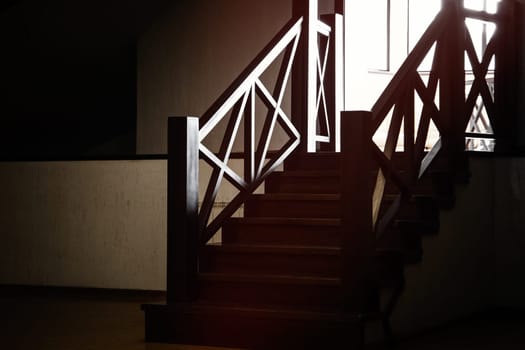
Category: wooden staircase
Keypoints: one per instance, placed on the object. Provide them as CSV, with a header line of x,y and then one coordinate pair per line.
x,y
322,252
275,280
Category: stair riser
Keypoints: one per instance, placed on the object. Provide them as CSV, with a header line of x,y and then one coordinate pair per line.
x,y
302,184
313,162
313,265
249,331
286,295
282,183
320,161
281,234
293,208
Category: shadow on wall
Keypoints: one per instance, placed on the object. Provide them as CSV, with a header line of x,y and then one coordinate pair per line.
x,y
187,59
68,73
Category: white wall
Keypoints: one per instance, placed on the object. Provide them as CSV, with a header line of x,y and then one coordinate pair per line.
x,y
455,277
87,224
509,234
477,260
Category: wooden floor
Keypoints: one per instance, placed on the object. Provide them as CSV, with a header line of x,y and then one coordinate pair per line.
x,y
94,323
51,323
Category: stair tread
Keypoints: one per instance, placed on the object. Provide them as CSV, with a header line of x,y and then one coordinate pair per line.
x,y
273,279
335,173
280,249
296,196
308,173
287,221
267,312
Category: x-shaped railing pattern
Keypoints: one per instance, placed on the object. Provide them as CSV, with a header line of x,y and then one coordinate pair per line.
x,y
323,32
240,104
480,87
399,99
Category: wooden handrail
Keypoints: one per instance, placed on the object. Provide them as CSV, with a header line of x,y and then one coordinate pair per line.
x,y
239,99
238,102
414,59
453,113
264,59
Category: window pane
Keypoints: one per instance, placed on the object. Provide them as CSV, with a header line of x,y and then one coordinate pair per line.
x,y
490,6
377,29
420,14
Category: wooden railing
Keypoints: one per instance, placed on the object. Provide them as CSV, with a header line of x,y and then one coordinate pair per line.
x,y
238,104
236,114
442,100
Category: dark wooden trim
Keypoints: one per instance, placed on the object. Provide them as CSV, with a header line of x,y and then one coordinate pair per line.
x,y
452,84
506,84
17,290
44,158
183,208
356,214
479,135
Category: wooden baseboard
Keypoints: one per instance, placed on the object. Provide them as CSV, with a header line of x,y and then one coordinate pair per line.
x,y
80,293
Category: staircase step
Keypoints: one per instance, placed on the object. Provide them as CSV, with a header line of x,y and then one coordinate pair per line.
x,y
293,205
260,259
303,182
332,161
313,161
251,328
298,292
287,231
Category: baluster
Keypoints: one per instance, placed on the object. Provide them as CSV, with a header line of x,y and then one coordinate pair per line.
x,y
408,132
183,207
356,198
304,81
249,138
334,81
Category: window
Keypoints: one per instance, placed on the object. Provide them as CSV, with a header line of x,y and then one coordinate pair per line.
x,y
378,29
420,15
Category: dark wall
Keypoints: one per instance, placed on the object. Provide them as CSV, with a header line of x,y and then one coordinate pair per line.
x,y
68,76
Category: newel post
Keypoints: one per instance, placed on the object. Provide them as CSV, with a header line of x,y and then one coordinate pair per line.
x,y
452,84
183,193
356,199
507,73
